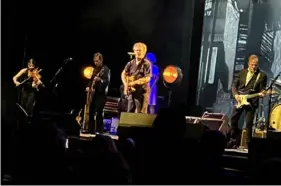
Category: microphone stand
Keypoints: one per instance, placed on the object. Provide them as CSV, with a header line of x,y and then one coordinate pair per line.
x,y
56,74
169,97
269,102
60,69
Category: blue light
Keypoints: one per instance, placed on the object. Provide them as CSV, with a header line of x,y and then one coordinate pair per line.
x,y
151,57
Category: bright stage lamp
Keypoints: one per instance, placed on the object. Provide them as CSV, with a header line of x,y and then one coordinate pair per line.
x,y
172,75
88,71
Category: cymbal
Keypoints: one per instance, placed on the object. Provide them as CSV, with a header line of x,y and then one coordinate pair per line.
x,y
277,83
274,96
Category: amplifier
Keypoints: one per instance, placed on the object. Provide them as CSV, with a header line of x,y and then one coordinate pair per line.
x,y
194,127
111,105
221,116
192,119
216,121
213,121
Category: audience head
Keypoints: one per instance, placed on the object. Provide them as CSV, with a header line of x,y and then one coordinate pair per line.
x,y
213,142
170,121
268,171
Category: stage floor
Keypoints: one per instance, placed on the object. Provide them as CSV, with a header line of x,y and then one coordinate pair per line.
x,y
93,135
234,159
243,151
115,137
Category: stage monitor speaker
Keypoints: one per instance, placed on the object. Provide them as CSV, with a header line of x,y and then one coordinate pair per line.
x,y
135,125
136,120
194,128
216,121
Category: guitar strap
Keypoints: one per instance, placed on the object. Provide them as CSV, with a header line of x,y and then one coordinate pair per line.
x,y
256,81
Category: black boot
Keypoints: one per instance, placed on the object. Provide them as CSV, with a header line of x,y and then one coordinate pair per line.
x,y
232,144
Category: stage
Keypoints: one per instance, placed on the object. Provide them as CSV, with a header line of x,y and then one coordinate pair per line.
x,y
88,136
233,159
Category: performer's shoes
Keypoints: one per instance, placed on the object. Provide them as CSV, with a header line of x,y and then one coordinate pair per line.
x,y
243,148
232,144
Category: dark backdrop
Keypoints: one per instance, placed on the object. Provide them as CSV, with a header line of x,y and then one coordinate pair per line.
x,y
51,31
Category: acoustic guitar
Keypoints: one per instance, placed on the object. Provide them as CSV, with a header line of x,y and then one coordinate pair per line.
x,y
131,82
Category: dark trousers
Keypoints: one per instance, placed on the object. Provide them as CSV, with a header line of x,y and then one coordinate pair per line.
x,y
249,116
28,99
138,103
96,114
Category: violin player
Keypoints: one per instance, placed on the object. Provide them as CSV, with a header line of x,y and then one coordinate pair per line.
x,y
29,85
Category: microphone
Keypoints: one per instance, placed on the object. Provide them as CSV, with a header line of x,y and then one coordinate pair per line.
x,y
131,53
68,59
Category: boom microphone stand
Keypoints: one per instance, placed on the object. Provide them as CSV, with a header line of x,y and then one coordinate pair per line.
x,y
58,71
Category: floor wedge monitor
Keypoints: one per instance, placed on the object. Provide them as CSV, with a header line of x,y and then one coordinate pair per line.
x,y
136,120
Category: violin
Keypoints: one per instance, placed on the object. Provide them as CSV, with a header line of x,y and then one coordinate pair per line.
x,y
34,74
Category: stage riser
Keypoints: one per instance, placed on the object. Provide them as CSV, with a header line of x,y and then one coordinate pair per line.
x,y
262,149
237,162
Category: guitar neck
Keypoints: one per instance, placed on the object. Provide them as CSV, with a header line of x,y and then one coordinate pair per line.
x,y
99,74
252,95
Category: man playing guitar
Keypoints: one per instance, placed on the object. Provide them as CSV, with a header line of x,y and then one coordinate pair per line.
x,y
135,77
98,86
248,81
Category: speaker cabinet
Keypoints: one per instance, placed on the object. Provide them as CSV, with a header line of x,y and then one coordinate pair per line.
x,y
137,126
216,121
136,120
194,127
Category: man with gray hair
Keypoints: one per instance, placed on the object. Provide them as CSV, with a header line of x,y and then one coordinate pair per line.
x,y
135,77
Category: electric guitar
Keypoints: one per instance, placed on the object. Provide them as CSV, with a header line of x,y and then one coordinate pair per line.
x,y
131,82
244,98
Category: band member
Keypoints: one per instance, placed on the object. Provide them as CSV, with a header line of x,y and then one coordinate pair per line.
x,y
137,90
152,84
101,79
29,85
247,81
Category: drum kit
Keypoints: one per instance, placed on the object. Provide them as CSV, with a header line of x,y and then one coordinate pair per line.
x,y
275,114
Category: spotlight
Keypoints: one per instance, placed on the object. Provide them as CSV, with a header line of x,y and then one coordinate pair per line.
x,y
172,77
88,71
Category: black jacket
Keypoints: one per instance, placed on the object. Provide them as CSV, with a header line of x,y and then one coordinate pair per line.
x,y
254,85
101,87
